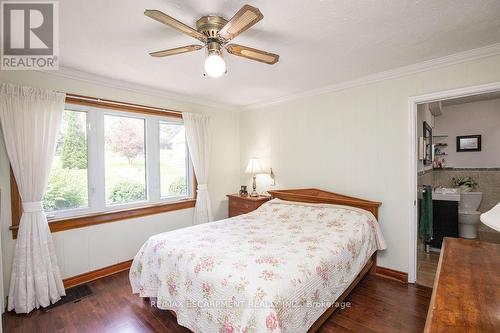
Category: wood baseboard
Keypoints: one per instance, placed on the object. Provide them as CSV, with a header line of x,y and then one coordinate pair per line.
x,y
392,274
97,274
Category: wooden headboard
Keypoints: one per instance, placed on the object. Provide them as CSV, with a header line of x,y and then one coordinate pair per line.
x,y
314,195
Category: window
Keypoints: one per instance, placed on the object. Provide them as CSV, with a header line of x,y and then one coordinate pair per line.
x,y
125,159
111,160
68,181
173,155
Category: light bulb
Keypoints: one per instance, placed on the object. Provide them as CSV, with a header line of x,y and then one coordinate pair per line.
x,y
215,65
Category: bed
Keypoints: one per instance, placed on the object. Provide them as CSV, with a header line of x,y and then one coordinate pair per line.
x,y
284,267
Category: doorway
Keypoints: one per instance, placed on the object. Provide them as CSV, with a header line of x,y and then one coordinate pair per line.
x,y
428,259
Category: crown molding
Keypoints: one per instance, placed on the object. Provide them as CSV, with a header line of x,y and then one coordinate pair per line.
x,y
478,53
482,52
74,74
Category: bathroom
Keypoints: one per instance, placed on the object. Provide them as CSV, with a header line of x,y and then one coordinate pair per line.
x,y
459,163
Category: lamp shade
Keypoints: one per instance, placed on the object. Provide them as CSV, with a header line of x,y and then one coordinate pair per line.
x,y
254,167
492,218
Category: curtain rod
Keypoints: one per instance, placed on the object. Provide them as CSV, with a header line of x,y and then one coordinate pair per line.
x,y
111,102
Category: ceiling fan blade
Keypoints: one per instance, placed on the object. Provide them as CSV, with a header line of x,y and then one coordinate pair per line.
x,y
177,50
170,21
253,54
241,21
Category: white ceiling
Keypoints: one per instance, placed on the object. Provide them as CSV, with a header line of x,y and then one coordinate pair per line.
x,y
321,42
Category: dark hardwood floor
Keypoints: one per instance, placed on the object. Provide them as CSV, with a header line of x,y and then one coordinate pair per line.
x,y
377,305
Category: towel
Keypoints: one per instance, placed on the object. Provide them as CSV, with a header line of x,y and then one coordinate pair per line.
x,y
426,214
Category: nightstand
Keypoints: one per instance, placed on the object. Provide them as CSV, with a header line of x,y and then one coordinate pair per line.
x,y
239,205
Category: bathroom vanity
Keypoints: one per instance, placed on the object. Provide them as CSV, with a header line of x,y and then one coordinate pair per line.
x,y
445,215
445,221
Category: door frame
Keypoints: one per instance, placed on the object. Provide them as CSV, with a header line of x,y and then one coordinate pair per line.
x,y
413,157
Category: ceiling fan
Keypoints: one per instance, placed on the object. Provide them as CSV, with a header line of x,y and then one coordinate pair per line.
x,y
215,32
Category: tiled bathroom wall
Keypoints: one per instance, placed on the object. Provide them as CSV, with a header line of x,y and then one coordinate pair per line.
x,y
488,182
425,178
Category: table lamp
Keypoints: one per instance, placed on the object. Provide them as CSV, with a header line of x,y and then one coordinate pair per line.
x,y
254,168
492,218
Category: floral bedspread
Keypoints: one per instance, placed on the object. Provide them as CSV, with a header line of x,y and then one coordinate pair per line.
x,y
276,269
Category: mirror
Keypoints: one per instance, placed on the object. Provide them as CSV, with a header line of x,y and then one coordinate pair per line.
x,y
427,129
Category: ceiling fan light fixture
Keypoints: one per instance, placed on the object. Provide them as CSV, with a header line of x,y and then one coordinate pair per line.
x,y
215,66
215,32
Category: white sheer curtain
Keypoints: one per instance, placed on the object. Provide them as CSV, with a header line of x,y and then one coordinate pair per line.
x,y
3,209
198,140
30,120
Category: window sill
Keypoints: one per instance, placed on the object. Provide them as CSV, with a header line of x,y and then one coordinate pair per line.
x,y
83,221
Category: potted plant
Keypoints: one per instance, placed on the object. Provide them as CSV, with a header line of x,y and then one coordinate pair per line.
x,y
466,184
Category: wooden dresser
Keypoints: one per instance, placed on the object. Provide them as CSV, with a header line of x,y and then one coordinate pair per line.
x,y
466,294
239,205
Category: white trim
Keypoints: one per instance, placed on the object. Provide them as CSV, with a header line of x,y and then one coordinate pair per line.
x,y
482,52
96,156
478,53
74,74
153,159
413,158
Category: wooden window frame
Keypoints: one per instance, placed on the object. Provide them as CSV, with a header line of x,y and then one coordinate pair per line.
x,y
86,220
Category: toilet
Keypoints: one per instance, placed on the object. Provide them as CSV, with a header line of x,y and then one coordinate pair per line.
x,y
468,215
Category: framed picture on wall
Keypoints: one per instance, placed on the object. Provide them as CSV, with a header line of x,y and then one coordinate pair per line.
x,y
468,143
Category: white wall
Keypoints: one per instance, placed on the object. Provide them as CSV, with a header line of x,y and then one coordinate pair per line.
x,y
354,141
86,249
470,119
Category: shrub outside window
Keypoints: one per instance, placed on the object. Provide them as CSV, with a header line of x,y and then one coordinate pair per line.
x,y
68,181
